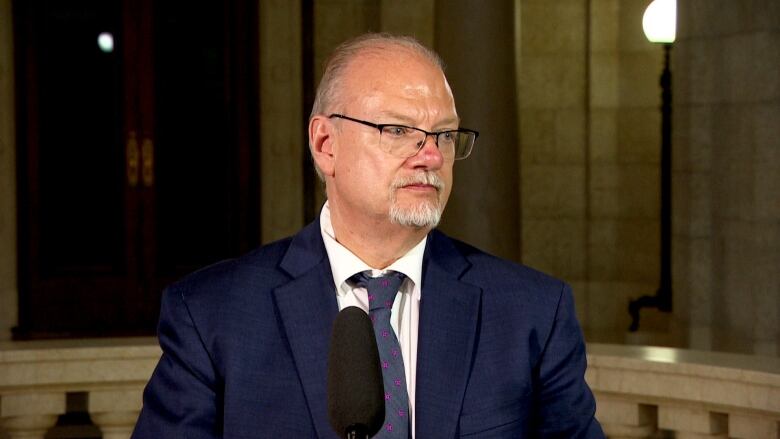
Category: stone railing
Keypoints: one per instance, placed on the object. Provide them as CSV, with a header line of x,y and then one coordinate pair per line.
x,y
35,378
641,391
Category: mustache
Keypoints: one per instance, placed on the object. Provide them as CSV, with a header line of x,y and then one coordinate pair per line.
x,y
426,177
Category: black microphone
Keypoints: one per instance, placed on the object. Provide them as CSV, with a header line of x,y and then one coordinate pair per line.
x,y
356,399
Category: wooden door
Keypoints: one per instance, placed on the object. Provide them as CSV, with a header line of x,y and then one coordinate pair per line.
x,y
137,162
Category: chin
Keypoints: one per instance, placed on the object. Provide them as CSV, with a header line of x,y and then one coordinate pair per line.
x,y
421,215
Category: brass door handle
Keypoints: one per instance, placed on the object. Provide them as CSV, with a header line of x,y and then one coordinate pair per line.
x,y
132,155
147,165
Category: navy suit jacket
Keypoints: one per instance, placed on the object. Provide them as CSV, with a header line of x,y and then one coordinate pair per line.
x,y
245,348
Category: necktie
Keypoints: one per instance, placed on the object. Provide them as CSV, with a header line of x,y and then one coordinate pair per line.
x,y
381,294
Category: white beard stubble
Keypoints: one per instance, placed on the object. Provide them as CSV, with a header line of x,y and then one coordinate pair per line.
x,y
425,214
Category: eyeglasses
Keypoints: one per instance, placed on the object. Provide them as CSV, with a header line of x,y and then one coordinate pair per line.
x,y
404,142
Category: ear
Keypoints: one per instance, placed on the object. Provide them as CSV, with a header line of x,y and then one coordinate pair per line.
x,y
321,143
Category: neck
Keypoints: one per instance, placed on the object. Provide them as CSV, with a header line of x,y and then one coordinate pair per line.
x,y
376,242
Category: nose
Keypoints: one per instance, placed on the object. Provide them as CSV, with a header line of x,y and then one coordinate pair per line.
x,y
428,156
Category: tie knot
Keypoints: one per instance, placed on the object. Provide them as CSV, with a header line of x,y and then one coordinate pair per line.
x,y
381,290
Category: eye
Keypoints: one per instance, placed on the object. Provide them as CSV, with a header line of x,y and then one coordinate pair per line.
x,y
396,131
448,136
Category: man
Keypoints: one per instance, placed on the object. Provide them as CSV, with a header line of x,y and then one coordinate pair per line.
x,y
486,348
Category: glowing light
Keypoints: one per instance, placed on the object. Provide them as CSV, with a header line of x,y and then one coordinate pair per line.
x,y
660,21
106,42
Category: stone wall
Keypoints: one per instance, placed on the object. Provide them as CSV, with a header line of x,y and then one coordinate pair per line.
x,y
590,153
727,174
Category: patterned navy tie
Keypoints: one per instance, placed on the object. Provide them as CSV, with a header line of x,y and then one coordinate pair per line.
x,y
381,294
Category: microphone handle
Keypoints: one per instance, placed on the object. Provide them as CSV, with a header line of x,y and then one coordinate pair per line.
x,y
357,431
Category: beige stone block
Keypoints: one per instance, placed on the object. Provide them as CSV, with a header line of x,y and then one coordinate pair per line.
x,y
603,136
695,149
639,77
700,81
733,195
627,192
537,136
555,191
552,81
125,400
746,67
743,77
765,60
767,192
700,338
604,25
750,427
553,27
639,135
681,200
409,17
692,204
612,410
691,420
555,246
700,281
765,131
115,425
24,404
570,136
624,250
281,115
604,80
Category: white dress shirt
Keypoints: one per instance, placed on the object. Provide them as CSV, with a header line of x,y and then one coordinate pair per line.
x,y
405,314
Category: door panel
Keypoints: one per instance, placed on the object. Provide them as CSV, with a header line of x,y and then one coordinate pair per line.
x,y
134,161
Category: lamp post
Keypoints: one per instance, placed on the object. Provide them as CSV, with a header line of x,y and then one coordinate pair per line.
x,y
659,24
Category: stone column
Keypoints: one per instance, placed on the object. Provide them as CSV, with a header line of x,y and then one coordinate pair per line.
x,y
281,119
115,411
477,42
30,415
622,418
726,183
691,422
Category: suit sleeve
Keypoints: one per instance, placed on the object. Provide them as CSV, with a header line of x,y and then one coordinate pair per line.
x,y
180,400
565,404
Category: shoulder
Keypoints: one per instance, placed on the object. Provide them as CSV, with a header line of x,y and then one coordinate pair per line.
x,y
232,284
493,272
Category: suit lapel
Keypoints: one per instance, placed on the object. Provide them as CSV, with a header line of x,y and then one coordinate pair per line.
x,y
449,312
307,306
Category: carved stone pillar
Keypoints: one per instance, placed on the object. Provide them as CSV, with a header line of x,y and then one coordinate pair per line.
x,y
477,44
692,422
30,415
115,411
747,426
623,418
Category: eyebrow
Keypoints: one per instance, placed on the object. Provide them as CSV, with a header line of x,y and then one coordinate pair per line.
x,y
403,119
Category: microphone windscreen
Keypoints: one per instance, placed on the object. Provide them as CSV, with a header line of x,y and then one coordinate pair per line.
x,y
355,387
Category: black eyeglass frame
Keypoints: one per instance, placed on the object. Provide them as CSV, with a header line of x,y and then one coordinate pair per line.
x,y
435,134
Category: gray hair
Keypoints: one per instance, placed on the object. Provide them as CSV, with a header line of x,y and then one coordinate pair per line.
x,y
329,88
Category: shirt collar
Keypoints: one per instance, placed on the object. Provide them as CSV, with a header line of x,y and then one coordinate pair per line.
x,y
344,263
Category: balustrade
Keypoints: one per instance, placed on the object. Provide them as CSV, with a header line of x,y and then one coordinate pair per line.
x,y
641,392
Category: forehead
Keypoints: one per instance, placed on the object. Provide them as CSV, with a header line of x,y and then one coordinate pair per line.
x,y
395,73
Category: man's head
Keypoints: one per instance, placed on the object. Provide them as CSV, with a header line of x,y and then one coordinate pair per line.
x,y
378,79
